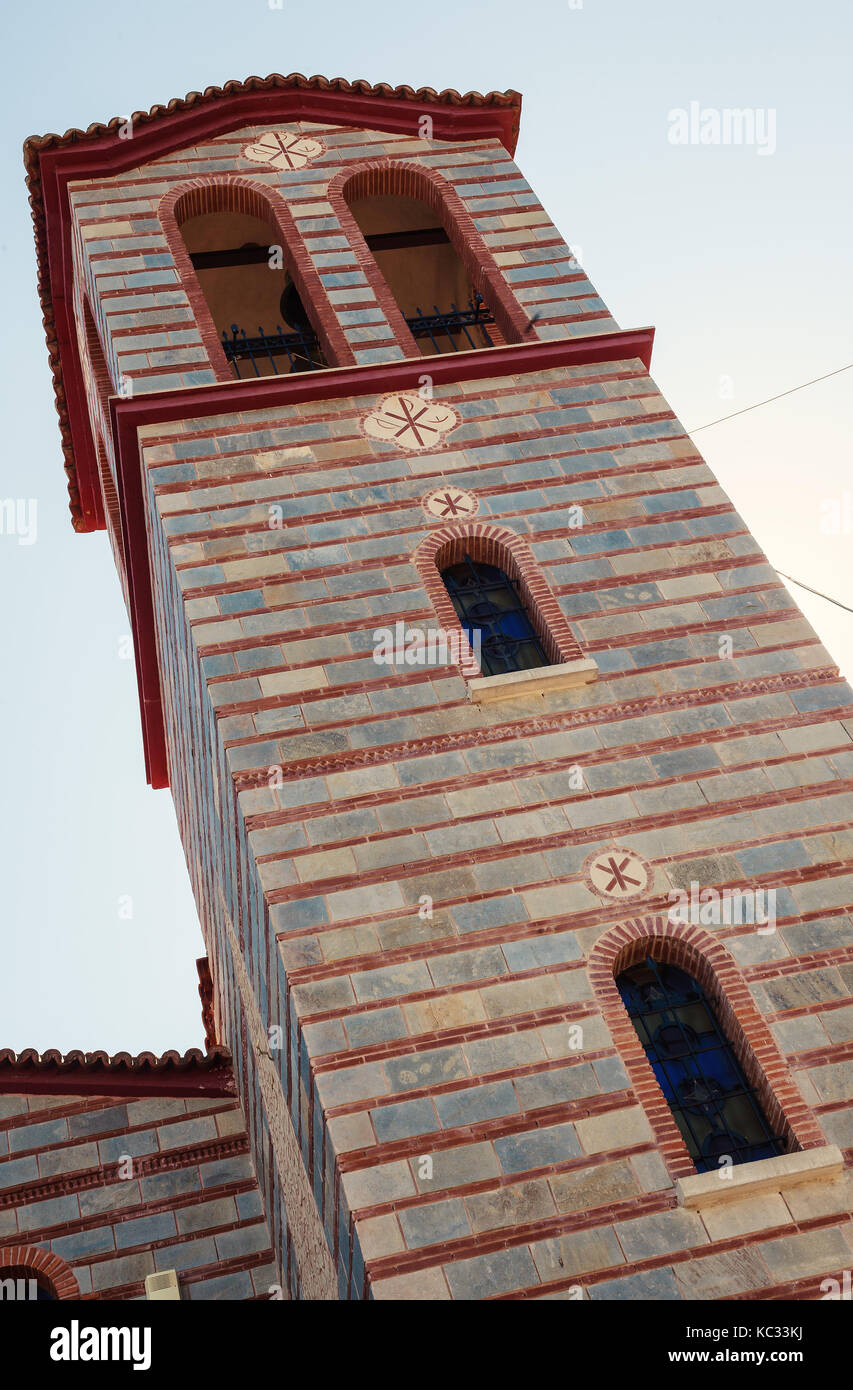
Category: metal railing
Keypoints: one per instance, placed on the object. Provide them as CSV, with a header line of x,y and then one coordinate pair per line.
x,y
449,330
301,348
442,326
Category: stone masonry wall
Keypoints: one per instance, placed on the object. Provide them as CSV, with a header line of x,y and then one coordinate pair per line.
x,y
447,1035
188,1199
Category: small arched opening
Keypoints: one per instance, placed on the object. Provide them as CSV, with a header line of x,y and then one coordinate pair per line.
x,y
494,616
431,272
256,308
259,304
425,274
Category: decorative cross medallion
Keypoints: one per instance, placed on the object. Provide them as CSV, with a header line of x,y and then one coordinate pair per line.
x,y
450,504
617,873
410,421
284,149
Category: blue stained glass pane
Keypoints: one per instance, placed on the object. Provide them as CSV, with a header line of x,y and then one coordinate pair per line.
x,y
489,608
713,1104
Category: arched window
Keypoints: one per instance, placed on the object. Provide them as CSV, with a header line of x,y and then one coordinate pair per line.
x,y
259,304
433,276
491,610
425,274
260,318
489,595
714,1106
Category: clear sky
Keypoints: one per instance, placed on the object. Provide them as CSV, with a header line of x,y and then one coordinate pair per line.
x,y
741,259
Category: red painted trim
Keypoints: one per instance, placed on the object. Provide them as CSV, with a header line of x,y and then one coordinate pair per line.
x,y
706,958
334,383
71,403
48,1270
127,416
206,995
140,596
154,137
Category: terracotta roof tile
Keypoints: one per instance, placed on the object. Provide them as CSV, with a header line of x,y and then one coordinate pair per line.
x,y
103,1073
422,96
116,1061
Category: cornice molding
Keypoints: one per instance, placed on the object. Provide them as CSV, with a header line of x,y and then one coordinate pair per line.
x,y
40,1189
192,1073
544,724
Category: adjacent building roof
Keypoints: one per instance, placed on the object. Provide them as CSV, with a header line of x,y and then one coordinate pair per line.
x,y
100,1073
122,1073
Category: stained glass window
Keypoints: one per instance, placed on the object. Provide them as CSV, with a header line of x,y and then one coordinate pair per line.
x,y
487,602
713,1104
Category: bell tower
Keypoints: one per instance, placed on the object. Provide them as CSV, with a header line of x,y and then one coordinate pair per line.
x,y
513,785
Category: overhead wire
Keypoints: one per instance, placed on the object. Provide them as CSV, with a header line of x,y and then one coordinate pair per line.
x,y
769,400
790,392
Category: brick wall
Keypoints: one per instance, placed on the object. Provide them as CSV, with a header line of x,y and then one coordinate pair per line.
x,y
393,876
448,1036
119,1188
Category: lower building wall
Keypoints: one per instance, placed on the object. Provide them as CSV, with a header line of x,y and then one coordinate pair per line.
x,y
118,1189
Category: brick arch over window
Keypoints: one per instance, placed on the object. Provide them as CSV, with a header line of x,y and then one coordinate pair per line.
x,y
408,180
693,949
49,1271
233,193
495,545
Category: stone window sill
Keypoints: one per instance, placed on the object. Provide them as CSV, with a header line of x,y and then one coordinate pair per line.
x,y
767,1175
513,685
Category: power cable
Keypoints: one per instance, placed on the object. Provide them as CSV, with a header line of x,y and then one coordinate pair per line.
x,y
770,399
801,585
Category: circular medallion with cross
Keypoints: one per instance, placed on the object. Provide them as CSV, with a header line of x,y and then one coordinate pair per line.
x,y
449,503
410,421
617,873
283,149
